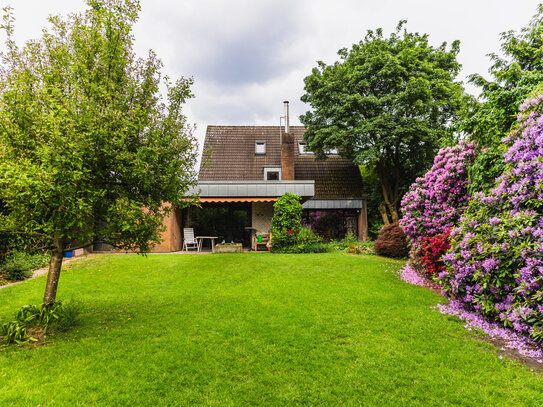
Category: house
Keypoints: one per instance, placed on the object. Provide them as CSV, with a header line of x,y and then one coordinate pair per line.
x,y
246,168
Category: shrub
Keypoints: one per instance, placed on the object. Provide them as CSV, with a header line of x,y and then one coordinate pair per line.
x,y
306,248
495,265
19,265
287,213
286,221
305,241
391,242
435,202
351,244
307,236
432,249
58,316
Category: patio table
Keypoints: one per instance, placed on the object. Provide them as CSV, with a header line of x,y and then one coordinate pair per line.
x,y
211,238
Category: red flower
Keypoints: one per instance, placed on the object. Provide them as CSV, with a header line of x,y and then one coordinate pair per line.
x,y
290,231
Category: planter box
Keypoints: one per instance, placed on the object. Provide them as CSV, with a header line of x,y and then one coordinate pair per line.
x,y
228,248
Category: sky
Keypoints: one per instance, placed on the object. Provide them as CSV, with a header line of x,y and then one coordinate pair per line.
x,y
247,56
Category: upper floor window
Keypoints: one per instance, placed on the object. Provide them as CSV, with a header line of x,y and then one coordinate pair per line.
x,y
260,148
302,149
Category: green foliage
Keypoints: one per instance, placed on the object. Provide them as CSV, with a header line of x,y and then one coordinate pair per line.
x,y
305,241
351,244
59,316
14,332
373,193
306,235
19,265
87,137
287,213
515,75
387,104
286,221
91,150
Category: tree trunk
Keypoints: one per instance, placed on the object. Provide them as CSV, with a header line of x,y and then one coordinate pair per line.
x,y
384,215
391,193
393,212
53,275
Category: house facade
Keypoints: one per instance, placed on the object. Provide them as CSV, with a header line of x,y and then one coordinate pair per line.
x,y
245,169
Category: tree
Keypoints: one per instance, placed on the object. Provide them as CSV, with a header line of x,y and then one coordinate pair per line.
x,y
514,76
386,104
89,149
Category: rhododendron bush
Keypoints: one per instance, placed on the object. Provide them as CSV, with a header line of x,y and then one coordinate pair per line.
x,y
432,249
495,265
435,202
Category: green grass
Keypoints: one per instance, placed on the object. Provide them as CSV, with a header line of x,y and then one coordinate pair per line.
x,y
254,329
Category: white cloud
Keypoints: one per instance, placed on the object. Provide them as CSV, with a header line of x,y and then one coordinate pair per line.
x,y
248,56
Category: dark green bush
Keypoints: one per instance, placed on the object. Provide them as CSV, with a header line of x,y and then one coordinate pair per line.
x,y
19,265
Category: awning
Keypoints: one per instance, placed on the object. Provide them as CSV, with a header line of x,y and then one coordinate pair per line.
x,y
218,200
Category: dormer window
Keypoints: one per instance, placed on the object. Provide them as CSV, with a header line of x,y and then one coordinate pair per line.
x,y
302,149
260,148
272,174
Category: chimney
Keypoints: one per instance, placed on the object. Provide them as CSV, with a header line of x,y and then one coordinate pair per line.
x,y
287,150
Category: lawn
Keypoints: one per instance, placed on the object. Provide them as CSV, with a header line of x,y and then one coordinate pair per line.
x,y
254,329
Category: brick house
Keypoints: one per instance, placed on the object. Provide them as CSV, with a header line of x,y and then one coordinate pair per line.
x,y
246,168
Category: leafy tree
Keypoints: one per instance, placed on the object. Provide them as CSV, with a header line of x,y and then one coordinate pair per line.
x,y
514,76
86,138
386,104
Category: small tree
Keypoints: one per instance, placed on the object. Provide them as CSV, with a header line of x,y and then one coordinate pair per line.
x,y
88,147
387,105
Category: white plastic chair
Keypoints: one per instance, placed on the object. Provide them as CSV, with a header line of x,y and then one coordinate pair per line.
x,y
189,241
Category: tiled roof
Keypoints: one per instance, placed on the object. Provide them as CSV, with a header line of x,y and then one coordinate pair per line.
x,y
230,155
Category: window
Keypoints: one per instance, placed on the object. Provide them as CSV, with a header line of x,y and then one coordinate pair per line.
x,y
302,149
260,148
272,174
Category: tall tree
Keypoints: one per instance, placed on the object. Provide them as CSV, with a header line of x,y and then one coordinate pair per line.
x,y
387,104
86,138
514,74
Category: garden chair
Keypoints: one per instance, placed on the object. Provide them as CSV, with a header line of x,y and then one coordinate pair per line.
x,y
189,241
266,241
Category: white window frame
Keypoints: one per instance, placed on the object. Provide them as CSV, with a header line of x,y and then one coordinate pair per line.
x,y
271,169
302,149
260,143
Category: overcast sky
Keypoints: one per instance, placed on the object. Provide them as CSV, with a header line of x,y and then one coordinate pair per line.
x,y
247,56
